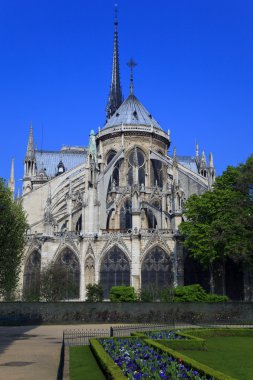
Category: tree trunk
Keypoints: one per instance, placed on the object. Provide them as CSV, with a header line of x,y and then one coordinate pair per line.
x,y
211,278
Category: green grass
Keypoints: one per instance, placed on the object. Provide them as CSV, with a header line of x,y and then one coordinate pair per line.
x,y
83,365
230,355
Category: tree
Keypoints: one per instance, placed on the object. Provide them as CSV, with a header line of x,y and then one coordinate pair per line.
x,y
123,293
56,284
220,222
13,226
95,293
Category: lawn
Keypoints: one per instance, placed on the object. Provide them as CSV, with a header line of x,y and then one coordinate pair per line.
x,y
83,365
230,355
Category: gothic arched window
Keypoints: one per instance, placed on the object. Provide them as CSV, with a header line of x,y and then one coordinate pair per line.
x,y
126,215
31,287
110,156
136,167
114,270
156,269
79,224
157,173
68,265
152,222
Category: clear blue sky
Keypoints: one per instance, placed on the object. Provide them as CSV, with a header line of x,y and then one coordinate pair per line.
x,y
194,73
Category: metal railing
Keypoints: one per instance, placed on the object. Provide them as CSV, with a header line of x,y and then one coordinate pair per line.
x,y
80,337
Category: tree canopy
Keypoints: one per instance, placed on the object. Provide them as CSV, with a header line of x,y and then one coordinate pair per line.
x,y
220,222
12,240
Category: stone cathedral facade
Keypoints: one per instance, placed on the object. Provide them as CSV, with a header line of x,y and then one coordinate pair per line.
x,y
109,212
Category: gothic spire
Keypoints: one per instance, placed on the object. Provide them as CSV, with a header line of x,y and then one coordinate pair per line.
x,y
30,146
203,160
211,165
11,182
115,96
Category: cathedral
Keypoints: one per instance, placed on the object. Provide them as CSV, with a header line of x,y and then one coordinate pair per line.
x,y
109,213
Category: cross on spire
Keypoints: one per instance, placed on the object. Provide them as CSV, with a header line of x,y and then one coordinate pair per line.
x,y
131,64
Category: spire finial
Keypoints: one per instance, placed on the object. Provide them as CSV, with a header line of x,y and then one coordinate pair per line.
x,y
175,154
11,182
115,96
30,145
131,64
197,150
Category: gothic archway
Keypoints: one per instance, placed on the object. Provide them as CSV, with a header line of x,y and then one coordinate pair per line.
x,y
67,265
31,284
114,270
156,269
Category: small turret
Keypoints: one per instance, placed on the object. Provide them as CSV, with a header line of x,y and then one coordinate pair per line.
x,y
30,163
197,159
30,156
211,171
203,166
11,182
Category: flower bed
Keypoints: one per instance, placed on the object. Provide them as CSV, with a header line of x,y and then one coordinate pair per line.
x,y
139,360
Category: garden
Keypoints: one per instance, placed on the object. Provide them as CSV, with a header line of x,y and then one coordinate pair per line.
x,y
196,354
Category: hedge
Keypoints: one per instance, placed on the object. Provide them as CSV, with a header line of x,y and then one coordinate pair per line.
x,y
202,368
215,332
110,369
190,343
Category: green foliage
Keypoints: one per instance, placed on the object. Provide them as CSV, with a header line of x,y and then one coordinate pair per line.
x,y
152,293
95,293
220,222
195,293
122,294
111,370
13,226
217,332
57,284
189,344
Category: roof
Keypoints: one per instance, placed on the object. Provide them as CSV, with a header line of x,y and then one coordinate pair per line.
x,y
132,112
50,160
189,162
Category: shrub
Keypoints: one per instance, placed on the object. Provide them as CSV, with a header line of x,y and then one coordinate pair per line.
x,y
122,294
94,293
195,293
153,293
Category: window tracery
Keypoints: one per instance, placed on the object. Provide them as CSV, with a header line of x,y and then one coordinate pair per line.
x,y
136,167
68,263
31,288
114,270
156,269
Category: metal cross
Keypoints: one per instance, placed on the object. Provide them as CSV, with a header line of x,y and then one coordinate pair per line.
x,y
131,64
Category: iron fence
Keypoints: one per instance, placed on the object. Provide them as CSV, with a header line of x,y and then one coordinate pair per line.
x,y
80,337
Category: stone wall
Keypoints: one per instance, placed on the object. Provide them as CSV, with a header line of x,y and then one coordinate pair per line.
x,y
107,312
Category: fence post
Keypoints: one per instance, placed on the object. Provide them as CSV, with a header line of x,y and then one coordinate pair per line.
x,y
111,331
